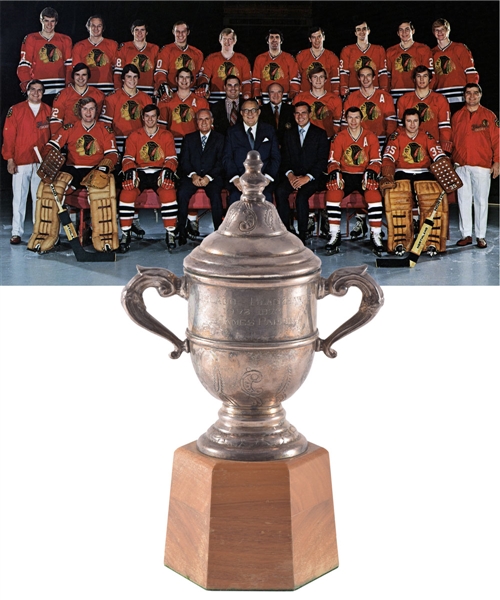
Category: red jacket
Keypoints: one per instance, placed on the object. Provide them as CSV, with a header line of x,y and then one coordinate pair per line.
x,y
22,130
475,137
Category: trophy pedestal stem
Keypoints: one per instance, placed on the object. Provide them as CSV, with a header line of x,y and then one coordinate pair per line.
x,y
251,525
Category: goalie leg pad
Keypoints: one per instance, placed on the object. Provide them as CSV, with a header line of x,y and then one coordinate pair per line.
x,y
103,216
398,210
427,194
46,227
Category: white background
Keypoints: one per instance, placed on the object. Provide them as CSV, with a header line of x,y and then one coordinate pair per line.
x,y
93,409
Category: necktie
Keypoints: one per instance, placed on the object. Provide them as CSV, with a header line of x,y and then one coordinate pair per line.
x,y
302,132
251,138
234,115
203,142
276,115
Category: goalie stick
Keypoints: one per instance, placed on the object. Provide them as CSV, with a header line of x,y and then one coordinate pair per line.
x,y
410,260
80,253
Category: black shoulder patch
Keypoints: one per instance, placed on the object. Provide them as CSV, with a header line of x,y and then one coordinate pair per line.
x,y
429,135
108,128
120,46
9,114
24,40
67,126
497,123
393,136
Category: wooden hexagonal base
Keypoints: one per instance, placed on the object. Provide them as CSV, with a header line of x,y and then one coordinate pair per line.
x,y
266,525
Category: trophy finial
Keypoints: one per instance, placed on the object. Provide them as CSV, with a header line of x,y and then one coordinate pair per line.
x,y
253,181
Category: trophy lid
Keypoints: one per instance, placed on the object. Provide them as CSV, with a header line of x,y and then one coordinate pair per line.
x,y
252,242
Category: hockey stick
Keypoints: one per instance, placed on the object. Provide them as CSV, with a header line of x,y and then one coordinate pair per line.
x,y
411,259
69,229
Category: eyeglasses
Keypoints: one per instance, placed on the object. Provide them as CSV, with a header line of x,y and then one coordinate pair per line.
x,y
249,111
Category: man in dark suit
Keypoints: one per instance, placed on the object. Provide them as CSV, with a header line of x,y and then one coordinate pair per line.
x,y
277,113
251,134
305,157
226,111
200,166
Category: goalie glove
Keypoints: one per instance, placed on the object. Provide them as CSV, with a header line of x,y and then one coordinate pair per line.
x,y
335,181
370,180
164,92
166,179
387,180
99,177
130,180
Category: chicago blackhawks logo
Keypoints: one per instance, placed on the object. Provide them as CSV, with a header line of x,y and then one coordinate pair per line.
x,y
49,53
151,152
142,62
272,72
184,61
87,145
130,111
227,68
444,65
424,111
319,111
413,153
364,61
370,111
482,126
182,114
96,58
354,155
404,63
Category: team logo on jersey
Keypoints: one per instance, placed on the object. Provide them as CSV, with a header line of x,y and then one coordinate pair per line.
x,y
404,63
424,111
87,145
319,112
96,58
312,66
142,62
482,126
364,61
354,155
370,111
151,152
184,61
9,114
272,72
413,153
227,68
182,114
49,53
130,111
444,65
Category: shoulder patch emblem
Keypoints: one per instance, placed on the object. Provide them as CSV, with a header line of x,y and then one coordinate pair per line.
x,y
24,40
393,136
67,126
9,114
120,46
497,123
429,135
108,128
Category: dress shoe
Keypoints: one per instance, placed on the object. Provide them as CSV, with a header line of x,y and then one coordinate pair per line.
x,y
15,240
466,241
481,243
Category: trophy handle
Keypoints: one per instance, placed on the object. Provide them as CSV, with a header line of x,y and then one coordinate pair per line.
x,y
338,284
167,284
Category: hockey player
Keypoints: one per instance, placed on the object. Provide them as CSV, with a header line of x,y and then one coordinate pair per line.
x,y
432,107
318,56
354,165
46,56
65,105
142,54
98,53
362,54
149,162
453,65
476,157
410,188
403,58
173,57
275,66
326,107
122,108
92,156
218,65
26,126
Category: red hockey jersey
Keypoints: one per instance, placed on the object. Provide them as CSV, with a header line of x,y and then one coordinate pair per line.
x,y
46,60
123,112
328,60
216,68
354,156
171,58
379,113
145,60
434,111
352,59
65,106
22,131
453,67
281,69
411,155
143,151
100,58
179,116
326,111
475,137
402,63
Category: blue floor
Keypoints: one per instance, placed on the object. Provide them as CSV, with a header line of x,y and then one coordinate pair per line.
x,y
468,266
